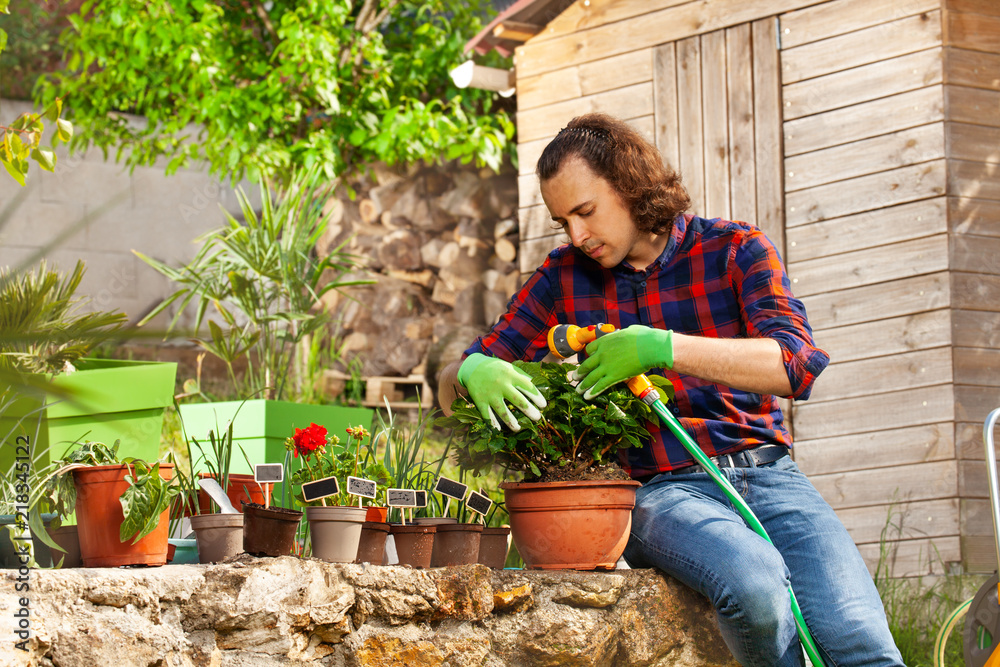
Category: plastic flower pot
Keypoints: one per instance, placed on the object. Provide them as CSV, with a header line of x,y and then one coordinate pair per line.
x,y
414,544
68,538
237,489
336,532
493,547
371,548
219,536
456,544
570,525
377,514
99,518
269,531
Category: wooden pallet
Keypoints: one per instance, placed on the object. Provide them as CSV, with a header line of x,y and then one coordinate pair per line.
x,y
401,392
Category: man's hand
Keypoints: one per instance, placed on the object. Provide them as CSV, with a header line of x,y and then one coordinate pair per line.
x,y
622,355
493,381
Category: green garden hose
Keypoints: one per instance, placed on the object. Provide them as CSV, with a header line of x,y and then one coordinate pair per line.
x,y
652,399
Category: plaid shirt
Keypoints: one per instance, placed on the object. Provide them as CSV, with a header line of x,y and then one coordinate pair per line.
x,y
715,278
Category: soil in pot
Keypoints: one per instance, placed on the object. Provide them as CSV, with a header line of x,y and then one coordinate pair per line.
x,y
336,532
269,531
239,485
99,517
371,548
414,544
219,536
493,547
570,525
456,544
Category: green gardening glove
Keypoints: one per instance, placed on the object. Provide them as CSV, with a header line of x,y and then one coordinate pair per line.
x,y
622,355
491,382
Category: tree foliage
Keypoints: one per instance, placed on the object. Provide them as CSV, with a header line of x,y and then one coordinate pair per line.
x,y
21,142
261,87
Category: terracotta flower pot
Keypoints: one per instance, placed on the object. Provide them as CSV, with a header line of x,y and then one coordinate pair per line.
x,y
269,531
219,536
336,532
99,518
493,547
377,514
570,525
456,544
414,544
371,548
235,491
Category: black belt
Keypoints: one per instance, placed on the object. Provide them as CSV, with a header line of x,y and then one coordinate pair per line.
x,y
748,458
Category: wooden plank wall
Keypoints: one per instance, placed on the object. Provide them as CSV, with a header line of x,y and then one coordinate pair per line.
x,y
971,76
881,184
867,238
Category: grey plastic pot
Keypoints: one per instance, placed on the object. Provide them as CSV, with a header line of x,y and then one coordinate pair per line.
x,y
219,536
336,532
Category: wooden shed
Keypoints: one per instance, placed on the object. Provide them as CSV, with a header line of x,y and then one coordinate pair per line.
x,y
864,137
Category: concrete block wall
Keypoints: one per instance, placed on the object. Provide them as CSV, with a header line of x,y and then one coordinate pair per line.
x,y
145,210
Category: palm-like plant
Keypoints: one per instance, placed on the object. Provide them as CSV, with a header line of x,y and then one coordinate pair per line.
x,y
263,278
42,328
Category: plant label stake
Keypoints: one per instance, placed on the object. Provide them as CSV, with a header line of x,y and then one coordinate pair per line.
x,y
401,498
362,488
214,489
321,488
479,503
451,489
421,499
266,474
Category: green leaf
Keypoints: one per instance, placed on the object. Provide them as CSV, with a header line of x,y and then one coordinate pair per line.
x,y
65,129
46,159
14,170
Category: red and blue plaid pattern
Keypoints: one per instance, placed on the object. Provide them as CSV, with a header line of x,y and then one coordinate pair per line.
x,y
715,278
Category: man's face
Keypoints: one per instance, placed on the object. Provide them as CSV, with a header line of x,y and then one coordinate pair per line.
x,y
592,214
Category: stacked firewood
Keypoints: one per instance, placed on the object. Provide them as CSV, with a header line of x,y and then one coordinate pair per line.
x,y
441,244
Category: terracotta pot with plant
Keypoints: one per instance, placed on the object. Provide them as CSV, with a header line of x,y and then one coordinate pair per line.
x,y
335,522
122,506
573,508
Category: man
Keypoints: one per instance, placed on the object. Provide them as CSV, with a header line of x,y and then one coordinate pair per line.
x,y
707,304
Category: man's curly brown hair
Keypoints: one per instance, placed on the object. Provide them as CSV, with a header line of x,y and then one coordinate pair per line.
x,y
649,188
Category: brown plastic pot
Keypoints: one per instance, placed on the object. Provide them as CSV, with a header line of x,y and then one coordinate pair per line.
x,y
570,525
67,538
99,518
219,536
456,544
493,547
371,547
336,532
237,496
414,544
269,531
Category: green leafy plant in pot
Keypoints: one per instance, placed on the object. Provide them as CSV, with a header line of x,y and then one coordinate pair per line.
x,y
122,505
335,522
574,509
219,535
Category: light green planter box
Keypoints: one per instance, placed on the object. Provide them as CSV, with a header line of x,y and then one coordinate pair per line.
x,y
261,427
108,400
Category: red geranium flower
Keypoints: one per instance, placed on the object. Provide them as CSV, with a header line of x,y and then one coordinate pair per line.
x,y
308,440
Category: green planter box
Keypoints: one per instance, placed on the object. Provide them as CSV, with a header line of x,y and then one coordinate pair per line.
x,y
261,427
109,399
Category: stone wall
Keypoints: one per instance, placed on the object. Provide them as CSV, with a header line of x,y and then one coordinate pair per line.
x,y
288,611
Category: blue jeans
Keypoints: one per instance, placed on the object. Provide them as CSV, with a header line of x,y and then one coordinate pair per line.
x,y
685,526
